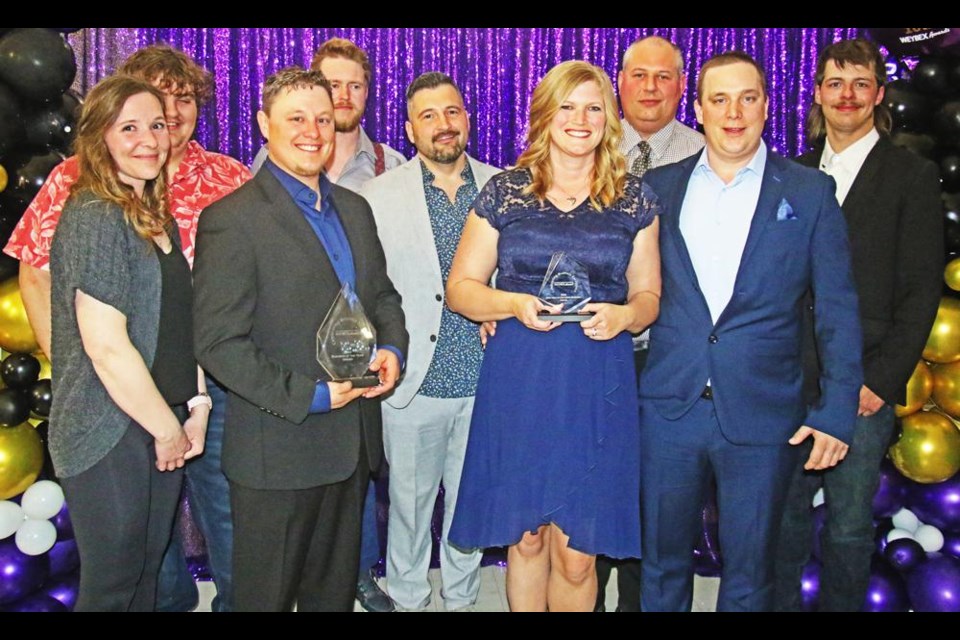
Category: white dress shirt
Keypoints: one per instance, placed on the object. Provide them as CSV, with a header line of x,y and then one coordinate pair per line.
x,y
715,220
843,167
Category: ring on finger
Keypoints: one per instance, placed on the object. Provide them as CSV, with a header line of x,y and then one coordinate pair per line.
x,y
594,332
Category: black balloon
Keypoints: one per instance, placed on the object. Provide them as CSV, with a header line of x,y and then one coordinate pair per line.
x,y
14,407
946,122
9,267
11,210
921,144
951,228
953,65
911,110
41,397
20,370
28,176
930,76
37,63
11,123
54,127
950,172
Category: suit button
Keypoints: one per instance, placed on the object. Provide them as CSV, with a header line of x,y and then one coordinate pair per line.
x,y
433,338
713,339
439,297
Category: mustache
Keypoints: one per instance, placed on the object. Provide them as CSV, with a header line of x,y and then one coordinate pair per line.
x,y
445,132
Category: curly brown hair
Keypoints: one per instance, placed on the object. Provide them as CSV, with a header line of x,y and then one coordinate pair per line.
x,y
172,70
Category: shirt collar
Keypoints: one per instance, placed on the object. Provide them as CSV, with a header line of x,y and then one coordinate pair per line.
x,y
365,145
756,165
194,158
658,142
300,192
428,177
853,156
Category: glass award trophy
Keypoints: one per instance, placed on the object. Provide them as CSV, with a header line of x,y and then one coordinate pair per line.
x,y
565,283
347,341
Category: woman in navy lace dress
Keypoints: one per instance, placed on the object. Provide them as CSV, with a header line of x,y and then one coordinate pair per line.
x,y
552,464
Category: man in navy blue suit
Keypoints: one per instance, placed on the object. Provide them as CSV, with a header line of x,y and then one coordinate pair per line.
x,y
744,234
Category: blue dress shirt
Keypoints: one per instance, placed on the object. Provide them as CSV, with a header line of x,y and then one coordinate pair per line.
x,y
326,224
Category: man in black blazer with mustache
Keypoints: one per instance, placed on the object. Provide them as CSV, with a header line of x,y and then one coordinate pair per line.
x,y
891,201
298,447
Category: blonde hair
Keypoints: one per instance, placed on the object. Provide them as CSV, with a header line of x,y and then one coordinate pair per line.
x,y
610,167
148,214
342,48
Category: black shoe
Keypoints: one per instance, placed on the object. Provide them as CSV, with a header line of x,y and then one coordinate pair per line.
x,y
371,597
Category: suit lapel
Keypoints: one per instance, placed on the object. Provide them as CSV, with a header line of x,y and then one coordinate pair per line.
x,y
421,228
771,190
864,184
764,216
674,203
292,221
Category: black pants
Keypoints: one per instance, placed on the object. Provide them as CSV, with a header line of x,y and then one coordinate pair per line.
x,y
122,510
298,547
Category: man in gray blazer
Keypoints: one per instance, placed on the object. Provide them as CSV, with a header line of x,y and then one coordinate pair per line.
x,y
420,208
298,447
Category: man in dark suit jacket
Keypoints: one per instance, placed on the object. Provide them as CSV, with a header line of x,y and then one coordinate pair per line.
x,y
744,234
891,200
298,447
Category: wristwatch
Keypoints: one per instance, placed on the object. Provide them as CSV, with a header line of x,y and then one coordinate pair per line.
x,y
199,399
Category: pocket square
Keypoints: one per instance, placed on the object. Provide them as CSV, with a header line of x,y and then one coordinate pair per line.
x,y
785,211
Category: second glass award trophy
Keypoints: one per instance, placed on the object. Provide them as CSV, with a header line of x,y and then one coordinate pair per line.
x,y
347,341
565,283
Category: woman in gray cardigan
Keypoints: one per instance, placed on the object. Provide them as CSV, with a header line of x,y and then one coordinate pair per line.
x,y
123,368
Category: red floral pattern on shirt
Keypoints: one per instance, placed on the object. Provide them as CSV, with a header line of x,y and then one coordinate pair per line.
x,y
202,178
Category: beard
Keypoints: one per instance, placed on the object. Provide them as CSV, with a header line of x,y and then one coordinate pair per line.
x,y
445,155
347,123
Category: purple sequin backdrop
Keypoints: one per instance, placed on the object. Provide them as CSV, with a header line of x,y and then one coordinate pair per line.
x,y
496,69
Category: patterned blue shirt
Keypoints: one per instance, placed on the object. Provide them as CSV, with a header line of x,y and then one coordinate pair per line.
x,y
456,361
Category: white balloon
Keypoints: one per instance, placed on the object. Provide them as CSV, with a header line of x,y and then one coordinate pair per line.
x,y
42,500
905,519
35,536
896,534
818,498
11,517
929,538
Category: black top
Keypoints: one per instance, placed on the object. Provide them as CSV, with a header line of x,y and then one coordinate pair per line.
x,y
174,367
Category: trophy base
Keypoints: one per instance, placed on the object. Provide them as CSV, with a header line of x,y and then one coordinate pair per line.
x,y
565,317
363,382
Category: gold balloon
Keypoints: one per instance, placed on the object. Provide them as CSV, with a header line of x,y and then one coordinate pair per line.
x,y
16,335
951,275
44,365
3,178
21,459
943,344
928,450
946,387
919,388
